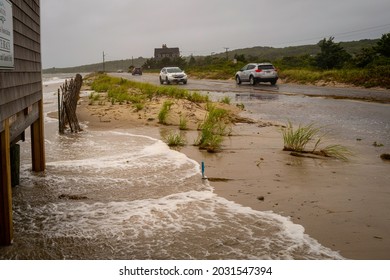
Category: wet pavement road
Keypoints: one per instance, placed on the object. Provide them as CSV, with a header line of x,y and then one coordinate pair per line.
x,y
375,95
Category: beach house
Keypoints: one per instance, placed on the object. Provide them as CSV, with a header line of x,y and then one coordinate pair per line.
x,y
164,51
21,104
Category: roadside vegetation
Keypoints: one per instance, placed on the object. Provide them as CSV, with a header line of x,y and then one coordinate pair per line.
x,y
370,67
308,139
124,91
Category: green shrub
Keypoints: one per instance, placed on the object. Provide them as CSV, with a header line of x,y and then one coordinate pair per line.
x,y
375,76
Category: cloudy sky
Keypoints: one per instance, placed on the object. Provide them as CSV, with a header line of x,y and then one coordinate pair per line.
x,y
76,32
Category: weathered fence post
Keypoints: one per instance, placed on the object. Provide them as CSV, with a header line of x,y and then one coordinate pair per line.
x,y
67,100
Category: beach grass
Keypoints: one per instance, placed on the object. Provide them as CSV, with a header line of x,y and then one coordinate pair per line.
x,y
337,151
214,127
174,140
299,139
123,91
226,100
163,114
183,123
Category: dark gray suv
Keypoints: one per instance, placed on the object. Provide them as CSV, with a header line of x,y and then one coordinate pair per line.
x,y
257,72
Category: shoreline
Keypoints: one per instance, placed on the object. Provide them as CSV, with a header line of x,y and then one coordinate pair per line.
x,y
336,202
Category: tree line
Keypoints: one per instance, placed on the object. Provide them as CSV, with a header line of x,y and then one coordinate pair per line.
x,y
331,56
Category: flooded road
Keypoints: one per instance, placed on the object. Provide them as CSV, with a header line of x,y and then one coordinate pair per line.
x,y
342,119
347,119
371,94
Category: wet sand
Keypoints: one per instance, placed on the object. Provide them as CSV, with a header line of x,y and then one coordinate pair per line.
x,y
344,205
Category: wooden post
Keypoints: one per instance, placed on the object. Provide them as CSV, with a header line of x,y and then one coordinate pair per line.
x,y
15,164
38,142
60,130
6,226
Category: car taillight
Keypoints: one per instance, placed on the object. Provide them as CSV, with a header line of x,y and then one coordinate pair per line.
x,y
258,70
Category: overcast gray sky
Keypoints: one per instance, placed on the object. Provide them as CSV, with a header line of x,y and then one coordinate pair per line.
x,y
76,32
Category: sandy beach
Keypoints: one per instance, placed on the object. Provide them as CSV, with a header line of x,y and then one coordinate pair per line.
x,y
344,205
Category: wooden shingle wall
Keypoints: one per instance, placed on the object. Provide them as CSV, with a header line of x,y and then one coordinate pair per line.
x,y
21,87
21,103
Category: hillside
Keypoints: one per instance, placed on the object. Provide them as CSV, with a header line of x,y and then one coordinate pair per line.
x,y
270,53
262,53
110,66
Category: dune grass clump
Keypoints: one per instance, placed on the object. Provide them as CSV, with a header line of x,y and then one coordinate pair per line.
x,y
336,151
183,123
93,97
138,106
212,130
226,100
299,140
174,140
197,97
163,114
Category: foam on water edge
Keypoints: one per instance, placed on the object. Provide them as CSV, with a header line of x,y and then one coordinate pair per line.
x,y
142,200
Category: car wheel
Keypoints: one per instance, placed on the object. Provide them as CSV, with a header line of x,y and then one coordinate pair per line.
x,y
252,80
161,81
273,82
185,82
238,80
167,81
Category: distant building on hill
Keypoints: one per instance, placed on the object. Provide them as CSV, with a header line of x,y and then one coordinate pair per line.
x,y
160,53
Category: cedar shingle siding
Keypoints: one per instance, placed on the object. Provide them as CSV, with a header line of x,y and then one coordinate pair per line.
x,y
21,87
21,102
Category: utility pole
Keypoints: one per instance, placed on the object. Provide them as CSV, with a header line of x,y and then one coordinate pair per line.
x,y
104,70
227,55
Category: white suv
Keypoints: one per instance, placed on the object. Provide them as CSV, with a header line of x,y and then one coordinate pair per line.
x,y
257,72
172,74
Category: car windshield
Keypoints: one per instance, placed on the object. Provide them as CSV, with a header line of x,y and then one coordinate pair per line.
x,y
266,67
174,70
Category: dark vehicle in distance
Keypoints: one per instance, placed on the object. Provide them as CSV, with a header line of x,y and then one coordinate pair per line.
x,y
137,71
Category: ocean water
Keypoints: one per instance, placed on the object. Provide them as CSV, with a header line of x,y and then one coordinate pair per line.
x,y
120,195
